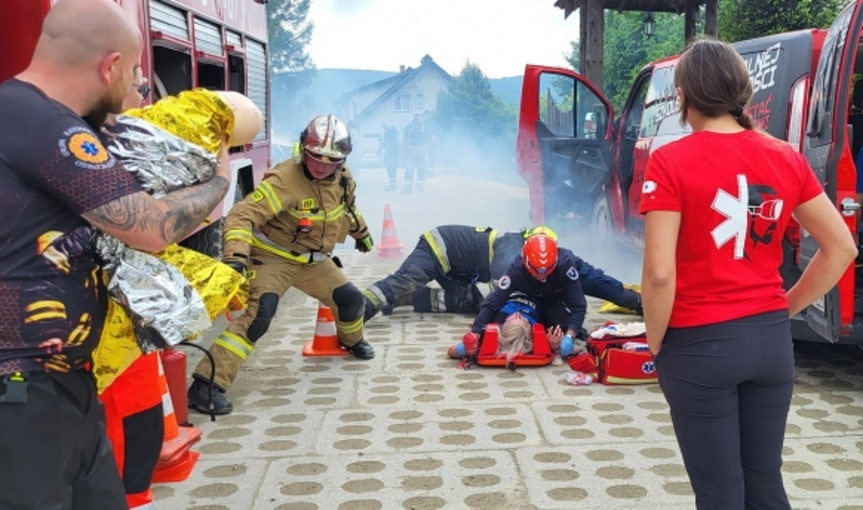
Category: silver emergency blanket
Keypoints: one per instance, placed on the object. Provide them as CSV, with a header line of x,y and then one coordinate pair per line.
x,y
164,307
161,161
159,298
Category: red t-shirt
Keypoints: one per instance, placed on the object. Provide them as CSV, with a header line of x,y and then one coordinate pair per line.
x,y
735,194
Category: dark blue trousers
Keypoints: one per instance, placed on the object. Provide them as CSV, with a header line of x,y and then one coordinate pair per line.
x,y
729,388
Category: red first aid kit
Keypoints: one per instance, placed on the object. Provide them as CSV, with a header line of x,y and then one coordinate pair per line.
x,y
617,360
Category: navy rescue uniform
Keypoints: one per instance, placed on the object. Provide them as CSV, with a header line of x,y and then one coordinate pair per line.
x,y
456,257
559,298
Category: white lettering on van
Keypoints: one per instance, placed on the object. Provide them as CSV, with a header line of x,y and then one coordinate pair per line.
x,y
762,67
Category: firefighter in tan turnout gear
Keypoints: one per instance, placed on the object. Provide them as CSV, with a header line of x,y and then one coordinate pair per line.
x,y
281,236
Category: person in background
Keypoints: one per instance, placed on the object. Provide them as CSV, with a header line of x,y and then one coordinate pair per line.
x,y
58,185
516,320
458,257
418,139
390,148
282,235
545,275
717,316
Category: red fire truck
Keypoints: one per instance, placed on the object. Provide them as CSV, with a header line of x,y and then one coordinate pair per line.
x,y
585,167
215,44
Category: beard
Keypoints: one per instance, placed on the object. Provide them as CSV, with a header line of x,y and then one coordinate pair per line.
x,y
99,112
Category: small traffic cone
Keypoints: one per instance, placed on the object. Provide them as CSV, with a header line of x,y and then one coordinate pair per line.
x,y
390,246
176,460
326,341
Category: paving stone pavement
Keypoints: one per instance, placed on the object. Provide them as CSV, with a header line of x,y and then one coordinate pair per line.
x,y
409,430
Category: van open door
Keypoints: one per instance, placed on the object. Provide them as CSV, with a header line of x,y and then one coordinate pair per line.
x,y
562,148
828,148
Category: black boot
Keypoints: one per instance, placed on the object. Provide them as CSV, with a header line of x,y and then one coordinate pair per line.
x,y
371,309
361,350
199,397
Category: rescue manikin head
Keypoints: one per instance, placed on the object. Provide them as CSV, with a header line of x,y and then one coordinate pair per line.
x,y
325,143
539,255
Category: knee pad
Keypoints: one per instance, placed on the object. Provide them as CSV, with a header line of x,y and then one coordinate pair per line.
x,y
349,301
267,305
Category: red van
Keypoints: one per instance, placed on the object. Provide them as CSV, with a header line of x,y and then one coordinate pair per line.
x,y
584,166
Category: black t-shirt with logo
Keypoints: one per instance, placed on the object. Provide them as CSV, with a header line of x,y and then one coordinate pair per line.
x,y
53,168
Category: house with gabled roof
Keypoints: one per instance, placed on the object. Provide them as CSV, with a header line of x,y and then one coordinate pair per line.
x,y
396,99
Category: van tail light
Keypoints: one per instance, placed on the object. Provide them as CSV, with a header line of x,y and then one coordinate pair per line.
x,y
796,114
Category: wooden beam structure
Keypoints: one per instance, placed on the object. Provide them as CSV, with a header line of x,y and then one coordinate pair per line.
x,y
591,30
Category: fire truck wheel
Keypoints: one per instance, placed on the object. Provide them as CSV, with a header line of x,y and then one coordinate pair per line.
x,y
208,240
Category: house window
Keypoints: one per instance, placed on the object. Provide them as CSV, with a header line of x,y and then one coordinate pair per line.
x,y
419,102
403,103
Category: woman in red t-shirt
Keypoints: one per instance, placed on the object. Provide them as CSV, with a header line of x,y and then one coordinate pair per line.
x,y
717,203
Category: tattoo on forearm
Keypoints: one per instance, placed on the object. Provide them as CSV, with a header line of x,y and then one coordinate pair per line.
x,y
190,206
186,209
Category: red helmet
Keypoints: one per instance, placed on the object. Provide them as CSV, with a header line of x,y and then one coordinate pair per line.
x,y
539,255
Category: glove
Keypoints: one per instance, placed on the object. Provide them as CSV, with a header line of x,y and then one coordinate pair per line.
x,y
365,244
238,267
566,346
471,343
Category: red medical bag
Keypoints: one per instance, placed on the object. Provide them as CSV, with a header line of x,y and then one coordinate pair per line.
x,y
610,363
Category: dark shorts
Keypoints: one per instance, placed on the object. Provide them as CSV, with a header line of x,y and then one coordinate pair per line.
x,y
54,448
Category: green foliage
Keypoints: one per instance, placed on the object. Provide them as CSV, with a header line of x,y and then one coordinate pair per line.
x,y
748,19
291,67
289,32
627,49
469,111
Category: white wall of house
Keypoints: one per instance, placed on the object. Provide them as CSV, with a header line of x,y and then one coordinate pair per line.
x,y
416,96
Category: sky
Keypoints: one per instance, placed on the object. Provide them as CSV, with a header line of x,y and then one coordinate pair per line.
x,y
499,36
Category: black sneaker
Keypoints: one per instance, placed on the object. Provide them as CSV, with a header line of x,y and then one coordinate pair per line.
x,y
361,350
199,398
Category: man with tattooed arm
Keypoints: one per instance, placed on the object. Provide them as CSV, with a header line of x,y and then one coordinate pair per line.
x,y
58,185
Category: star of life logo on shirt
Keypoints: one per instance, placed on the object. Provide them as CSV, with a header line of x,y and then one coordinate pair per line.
x,y
742,212
81,144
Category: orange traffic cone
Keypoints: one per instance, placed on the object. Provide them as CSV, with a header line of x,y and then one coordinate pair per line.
x,y
326,341
176,460
390,246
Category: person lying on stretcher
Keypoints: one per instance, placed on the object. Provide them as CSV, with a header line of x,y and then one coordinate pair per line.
x,y
517,319
544,278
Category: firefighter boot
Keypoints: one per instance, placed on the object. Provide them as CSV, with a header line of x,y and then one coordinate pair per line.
x,y
199,397
371,308
361,350
374,304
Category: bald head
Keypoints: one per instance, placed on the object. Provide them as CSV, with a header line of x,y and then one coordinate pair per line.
x,y
81,33
86,57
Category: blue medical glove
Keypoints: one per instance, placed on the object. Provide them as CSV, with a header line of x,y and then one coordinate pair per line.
x,y
566,346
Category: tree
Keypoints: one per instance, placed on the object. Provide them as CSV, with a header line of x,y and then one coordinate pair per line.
x,y
627,49
289,32
748,19
471,121
291,67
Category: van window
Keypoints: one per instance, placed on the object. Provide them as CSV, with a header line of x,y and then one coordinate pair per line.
x,y
823,100
568,108
661,101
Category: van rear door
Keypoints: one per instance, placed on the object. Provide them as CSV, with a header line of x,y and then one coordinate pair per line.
x,y
562,150
827,147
